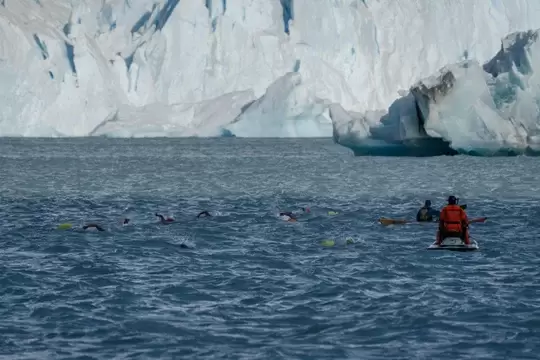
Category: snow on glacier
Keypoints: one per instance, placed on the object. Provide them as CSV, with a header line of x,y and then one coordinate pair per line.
x,y
89,67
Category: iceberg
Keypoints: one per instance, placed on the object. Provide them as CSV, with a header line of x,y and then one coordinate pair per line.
x,y
464,108
201,119
460,109
287,109
258,68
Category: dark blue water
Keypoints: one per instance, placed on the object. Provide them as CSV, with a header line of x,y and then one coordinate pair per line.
x,y
251,286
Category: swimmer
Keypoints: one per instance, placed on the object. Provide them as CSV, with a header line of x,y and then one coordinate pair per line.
x,y
95,226
164,220
204,214
287,215
126,222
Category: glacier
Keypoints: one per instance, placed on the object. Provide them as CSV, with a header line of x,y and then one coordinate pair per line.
x,y
280,68
464,108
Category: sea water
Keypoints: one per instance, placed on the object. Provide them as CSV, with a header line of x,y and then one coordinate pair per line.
x,y
244,284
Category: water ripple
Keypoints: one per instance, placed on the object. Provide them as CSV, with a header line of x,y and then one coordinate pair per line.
x,y
250,286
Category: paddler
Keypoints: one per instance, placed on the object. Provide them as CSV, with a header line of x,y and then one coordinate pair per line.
x,y
427,213
453,222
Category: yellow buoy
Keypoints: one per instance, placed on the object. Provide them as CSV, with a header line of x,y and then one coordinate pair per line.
x,y
328,243
64,226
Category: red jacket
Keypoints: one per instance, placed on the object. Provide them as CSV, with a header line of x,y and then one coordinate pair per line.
x,y
453,219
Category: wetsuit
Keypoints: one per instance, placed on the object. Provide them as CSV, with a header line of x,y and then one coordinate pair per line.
x,y
163,219
205,213
96,226
289,214
426,214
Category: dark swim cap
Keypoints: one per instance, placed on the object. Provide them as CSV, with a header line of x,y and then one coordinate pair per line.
x,y
452,200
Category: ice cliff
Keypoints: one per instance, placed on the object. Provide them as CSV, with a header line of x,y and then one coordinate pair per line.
x,y
492,109
254,68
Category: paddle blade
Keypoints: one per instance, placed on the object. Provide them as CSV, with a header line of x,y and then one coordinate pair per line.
x,y
478,220
386,221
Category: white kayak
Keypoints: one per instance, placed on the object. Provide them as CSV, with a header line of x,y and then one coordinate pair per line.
x,y
454,244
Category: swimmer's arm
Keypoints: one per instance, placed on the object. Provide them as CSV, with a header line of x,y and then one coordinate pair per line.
x,y
99,228
160,216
